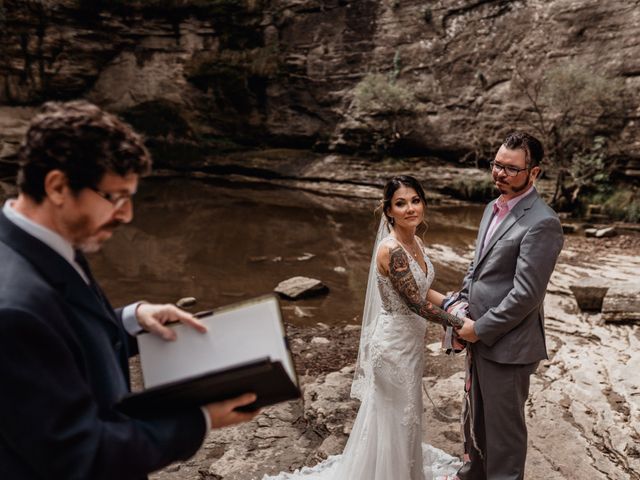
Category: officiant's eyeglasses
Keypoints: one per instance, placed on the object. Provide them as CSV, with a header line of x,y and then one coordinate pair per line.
x,y
116,199
509,170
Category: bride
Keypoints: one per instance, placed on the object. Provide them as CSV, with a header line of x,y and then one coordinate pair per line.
x,y
386,439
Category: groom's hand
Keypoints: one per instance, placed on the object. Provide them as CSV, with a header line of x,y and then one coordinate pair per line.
x,y
467,331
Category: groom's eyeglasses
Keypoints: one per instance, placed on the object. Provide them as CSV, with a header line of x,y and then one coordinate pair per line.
x,y
509,170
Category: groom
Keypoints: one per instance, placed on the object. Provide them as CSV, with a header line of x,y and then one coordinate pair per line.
x,y
518,244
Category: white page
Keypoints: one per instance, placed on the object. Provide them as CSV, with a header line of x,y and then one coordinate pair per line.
x,y
238,334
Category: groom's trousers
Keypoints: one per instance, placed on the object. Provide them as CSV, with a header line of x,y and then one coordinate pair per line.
x,y
498,395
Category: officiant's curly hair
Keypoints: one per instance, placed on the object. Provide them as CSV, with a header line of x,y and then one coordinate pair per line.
x,y
81,140
394,184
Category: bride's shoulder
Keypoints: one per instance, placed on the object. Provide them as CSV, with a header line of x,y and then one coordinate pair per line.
x,y
387,244
383,254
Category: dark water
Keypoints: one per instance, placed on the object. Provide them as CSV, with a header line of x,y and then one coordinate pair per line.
x,y
222,242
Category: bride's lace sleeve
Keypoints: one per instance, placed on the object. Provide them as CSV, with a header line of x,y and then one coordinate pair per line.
x,y
403,281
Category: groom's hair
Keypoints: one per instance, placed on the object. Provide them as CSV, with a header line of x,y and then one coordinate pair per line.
x,y
532,147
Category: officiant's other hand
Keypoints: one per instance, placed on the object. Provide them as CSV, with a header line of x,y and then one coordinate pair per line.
x,y
153,317
467,332
223,414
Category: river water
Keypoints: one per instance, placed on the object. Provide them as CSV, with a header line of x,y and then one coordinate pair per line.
x,y
222,242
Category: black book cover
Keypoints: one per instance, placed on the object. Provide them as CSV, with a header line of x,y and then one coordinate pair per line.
x,y
267,379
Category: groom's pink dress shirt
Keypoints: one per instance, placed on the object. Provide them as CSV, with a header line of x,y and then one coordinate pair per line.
x,y
500,211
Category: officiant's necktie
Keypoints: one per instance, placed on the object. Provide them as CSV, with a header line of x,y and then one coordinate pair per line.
x,y
81,260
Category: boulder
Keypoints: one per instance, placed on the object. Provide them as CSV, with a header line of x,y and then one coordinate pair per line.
x,y
606,232
186,302
299,287
589,293
302,312
622,303
569,228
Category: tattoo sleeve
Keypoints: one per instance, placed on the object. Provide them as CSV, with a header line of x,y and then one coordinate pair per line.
x,y
403,281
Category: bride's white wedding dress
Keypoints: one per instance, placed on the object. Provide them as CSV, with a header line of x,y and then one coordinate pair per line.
x,y
386,438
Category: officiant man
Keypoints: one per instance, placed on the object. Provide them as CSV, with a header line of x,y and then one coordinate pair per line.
x,y
63,350
518,243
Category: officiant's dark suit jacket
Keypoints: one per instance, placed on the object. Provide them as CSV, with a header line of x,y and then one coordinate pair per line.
x,y
63,366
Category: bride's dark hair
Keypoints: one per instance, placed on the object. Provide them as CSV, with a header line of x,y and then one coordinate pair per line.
x,y
394,184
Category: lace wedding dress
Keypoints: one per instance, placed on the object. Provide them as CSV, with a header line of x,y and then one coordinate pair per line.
x,y
386,438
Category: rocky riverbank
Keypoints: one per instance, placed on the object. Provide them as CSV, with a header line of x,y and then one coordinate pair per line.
x,y
583,413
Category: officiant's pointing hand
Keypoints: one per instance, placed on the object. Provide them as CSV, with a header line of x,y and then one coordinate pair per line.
x,y
153,317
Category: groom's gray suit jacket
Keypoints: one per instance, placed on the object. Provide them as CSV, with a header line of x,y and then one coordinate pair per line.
x,y
507,280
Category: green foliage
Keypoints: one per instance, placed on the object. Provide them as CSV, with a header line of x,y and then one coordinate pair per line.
x,y
377,94
577,94
578,114
624,204
477,188
590,168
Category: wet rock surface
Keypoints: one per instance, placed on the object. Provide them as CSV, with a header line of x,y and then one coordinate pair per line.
x,y
583,412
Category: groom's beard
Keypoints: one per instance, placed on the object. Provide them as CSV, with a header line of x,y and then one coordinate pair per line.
x,y
507,188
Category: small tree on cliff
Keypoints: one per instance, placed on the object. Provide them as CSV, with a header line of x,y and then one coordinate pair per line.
x,y
378,96
578,114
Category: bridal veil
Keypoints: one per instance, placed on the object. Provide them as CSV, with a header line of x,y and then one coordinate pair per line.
x,y
372,303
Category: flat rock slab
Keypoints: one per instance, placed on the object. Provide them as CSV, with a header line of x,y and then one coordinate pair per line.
x,y
300,287
590,293
606,232
622,303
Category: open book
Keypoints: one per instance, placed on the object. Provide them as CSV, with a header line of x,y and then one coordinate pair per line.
x,y
244,350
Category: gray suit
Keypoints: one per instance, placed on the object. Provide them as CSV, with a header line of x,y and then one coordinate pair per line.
x,y
505,287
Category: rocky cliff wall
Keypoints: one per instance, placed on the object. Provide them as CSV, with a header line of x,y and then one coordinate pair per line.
x,y
196,75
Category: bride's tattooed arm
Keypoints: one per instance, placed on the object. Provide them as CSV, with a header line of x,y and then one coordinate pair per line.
x,y
403,281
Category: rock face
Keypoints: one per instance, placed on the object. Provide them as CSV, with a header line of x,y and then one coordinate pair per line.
x,y
622,303
194,75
